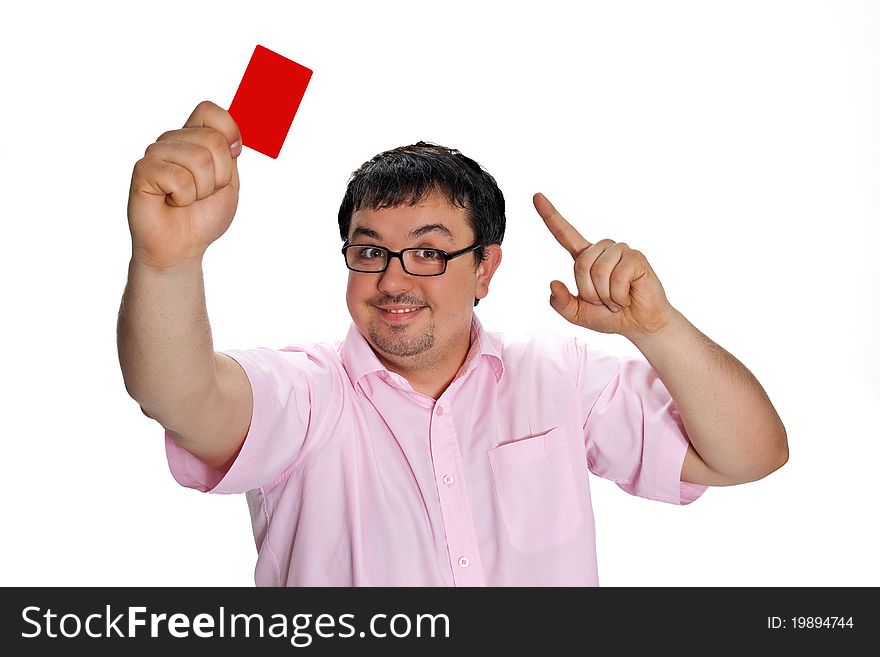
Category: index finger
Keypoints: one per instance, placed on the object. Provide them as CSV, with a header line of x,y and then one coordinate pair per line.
x,y
210,115
564,232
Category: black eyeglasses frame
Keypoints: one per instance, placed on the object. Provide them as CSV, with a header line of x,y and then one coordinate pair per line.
x,y
399,255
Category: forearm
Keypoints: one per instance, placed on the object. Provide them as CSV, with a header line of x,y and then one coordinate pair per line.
x,y
164,341
728,417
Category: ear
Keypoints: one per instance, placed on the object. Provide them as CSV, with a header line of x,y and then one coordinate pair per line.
x,y
486,269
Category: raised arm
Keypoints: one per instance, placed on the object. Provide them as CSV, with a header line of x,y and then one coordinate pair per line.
x,y
735,433
183,196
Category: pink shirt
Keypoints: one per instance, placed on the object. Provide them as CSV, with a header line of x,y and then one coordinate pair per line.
x,y
355,479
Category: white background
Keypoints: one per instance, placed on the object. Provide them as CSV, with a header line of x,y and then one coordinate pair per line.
x,y
735,144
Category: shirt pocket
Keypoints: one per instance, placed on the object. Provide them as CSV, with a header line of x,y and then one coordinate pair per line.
x,y
536,491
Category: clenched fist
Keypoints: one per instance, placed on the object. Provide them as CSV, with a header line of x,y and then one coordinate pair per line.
x,y
184,191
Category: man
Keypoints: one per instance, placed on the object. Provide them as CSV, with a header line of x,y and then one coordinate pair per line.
x,y
423,450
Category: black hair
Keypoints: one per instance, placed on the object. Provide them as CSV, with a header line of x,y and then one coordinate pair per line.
x,y
408,174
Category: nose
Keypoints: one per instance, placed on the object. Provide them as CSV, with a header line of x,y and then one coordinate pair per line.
x,y
394,280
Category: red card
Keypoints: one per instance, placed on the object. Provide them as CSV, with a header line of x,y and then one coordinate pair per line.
x,y
267,99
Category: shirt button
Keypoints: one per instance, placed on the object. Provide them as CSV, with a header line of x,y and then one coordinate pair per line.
x,y
448,479
439,410
464,562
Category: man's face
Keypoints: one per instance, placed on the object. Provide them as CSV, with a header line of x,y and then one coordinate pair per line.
x,y
439,327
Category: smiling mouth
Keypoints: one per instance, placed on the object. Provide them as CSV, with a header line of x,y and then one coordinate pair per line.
x,y
395,315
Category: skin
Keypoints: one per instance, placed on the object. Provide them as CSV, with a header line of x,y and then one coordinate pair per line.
x,y
183,196
429,350
735,433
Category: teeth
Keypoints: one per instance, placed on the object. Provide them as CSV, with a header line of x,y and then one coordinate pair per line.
x,y
404,310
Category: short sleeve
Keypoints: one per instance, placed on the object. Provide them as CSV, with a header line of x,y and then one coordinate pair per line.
x,y
632,429
290,388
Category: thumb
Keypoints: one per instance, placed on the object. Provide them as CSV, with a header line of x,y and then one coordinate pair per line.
x,y
563,301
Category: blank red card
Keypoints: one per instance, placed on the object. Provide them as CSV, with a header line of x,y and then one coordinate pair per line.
x,y
267,99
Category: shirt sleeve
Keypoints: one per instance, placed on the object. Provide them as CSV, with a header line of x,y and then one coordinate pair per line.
x,y
632,429
291,389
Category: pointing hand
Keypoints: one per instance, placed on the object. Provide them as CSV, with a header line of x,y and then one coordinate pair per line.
x,y
617,291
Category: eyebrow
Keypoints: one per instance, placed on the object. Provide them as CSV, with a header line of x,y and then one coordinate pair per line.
x,y
415,233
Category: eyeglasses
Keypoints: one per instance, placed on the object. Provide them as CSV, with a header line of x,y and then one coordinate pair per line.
x,y
372,259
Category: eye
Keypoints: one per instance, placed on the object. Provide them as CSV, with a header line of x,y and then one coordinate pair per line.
x,y
370,253
430,255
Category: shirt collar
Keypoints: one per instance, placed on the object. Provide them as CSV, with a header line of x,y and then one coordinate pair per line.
x,y
359,359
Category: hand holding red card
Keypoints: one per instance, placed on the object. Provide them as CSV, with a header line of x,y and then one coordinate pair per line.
x,y
267,100
184,191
